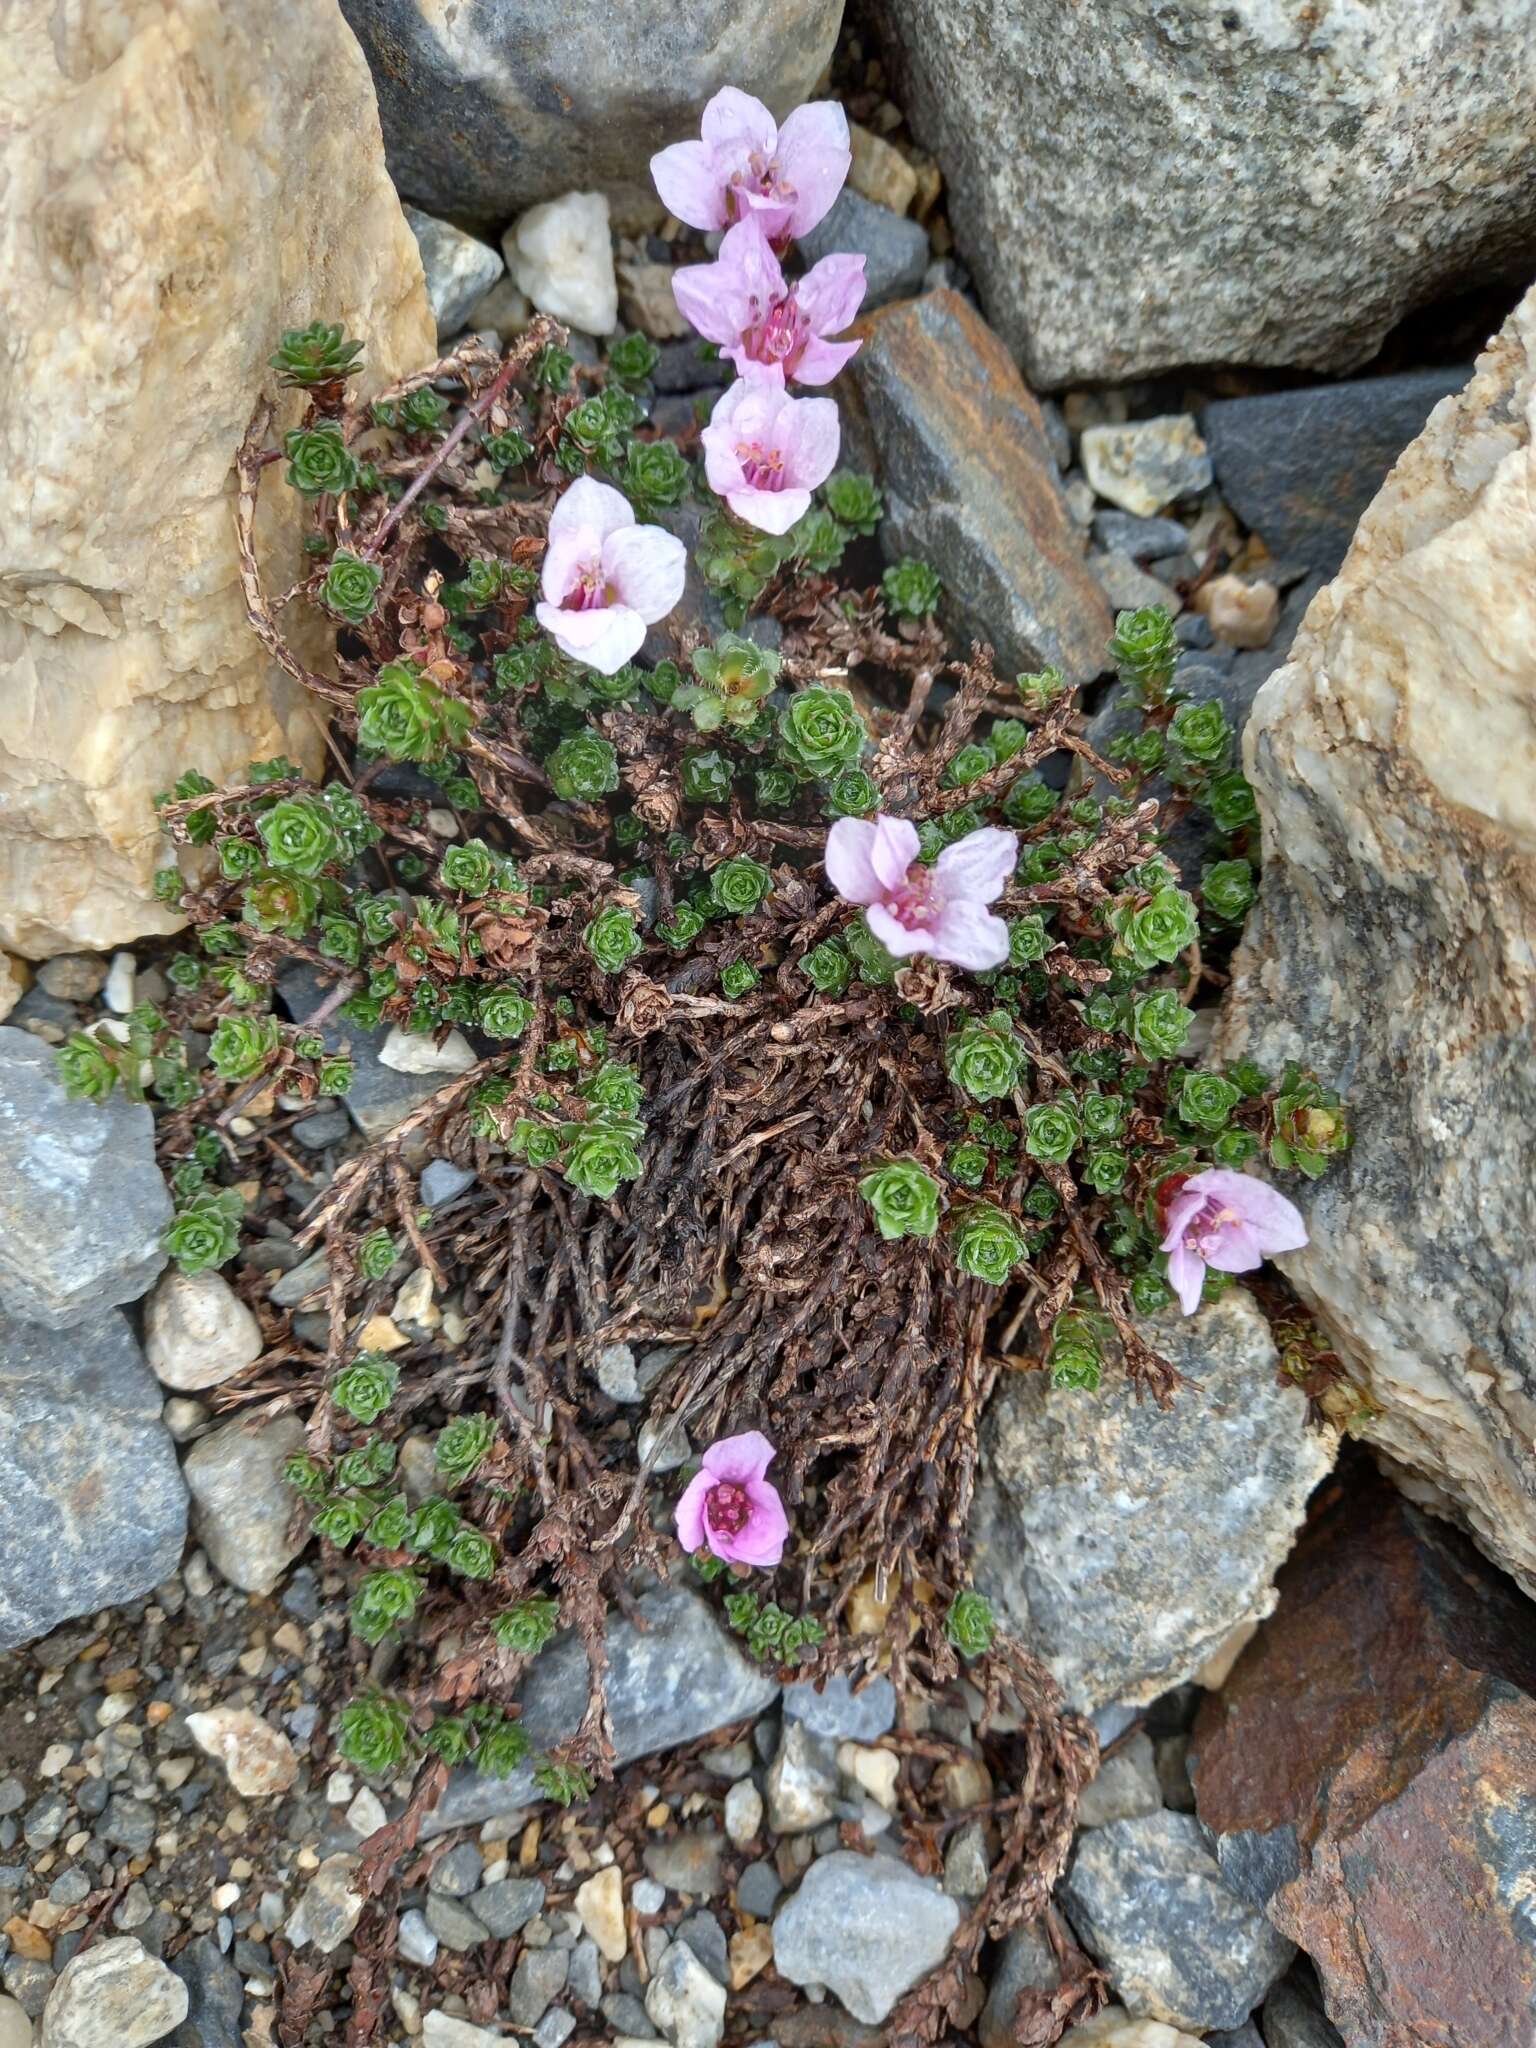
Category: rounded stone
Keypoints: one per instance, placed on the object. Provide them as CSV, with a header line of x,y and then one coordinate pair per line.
x,y
198,1332
115,1995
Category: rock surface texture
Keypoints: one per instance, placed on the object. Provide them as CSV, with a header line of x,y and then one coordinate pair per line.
x,y
92,1506
183,181
1125,1542
868,1927
971,486
491,105
1366,1774
82,1202
1288,180
1394,759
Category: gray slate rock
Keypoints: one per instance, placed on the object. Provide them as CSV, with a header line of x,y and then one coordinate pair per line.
x,y
680,1679
537,1981
1294,2015
1147,1898
82,1202
1300,467
215,1996
1367,163
441,1180
1126,1786
971,485
868,1927
1143,540
835,1709
1026,1962
455,1926
379,1097
93,1510
895,249
493,104
508,1905
1124,1541
685,2001
244,1515
459,268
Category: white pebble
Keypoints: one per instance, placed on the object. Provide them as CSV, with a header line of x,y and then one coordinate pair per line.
x,y
561,255
120,979
413,1052
743,1811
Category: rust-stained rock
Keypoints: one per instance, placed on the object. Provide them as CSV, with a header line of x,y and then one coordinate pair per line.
x,y
971,486
1367,1775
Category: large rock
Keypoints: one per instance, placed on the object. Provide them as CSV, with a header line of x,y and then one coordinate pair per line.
x,y
82,1202
491,105
1367,160
1395,762
1147,1898
1366,1774
92,1506
182,183
678,1678
868,1927
1301,466
971,485
1125,1542
115,1995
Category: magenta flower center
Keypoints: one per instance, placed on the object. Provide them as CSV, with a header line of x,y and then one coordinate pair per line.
x,y
916,905
778,338
764,176
728,1508
589,593
762,469
1208,1226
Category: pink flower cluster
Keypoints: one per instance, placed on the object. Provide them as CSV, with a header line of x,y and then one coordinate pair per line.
x,y
764,451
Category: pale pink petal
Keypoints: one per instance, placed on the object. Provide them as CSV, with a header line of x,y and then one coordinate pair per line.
x,y
968,936
811,438
978,866
741,1458
722,465
813,160
819,361
753,271
604,638
704,304
768,511
897,938
768,209
1182,1210
568,554
831,292
691,184
762,1538
896,846
1276,1220
735,123
1236,1249
848,864
689,1512
646,567
587,504
1186,1276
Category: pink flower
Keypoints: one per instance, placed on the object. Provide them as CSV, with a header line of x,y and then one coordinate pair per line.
x,y
765,452
915,909
731,1507
745,163
1227,1220
742,302
605,578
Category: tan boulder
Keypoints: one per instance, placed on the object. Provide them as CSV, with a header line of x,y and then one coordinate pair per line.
x,y
182,181
1394,947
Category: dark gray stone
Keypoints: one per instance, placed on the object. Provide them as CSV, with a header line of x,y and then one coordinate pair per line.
x,y
453,1923
1300,467
459,1873
680,369
895,249
379,1098
1148,1900
971,486
441,1180
681,1678
508,1905
706,1937
1294,2015
215,1996
836,1709
1367,164
82,1202
494,104
460,269
868,1927
538,1979
1142,539
1026,1961
758,1889
1075,1504
93,1511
